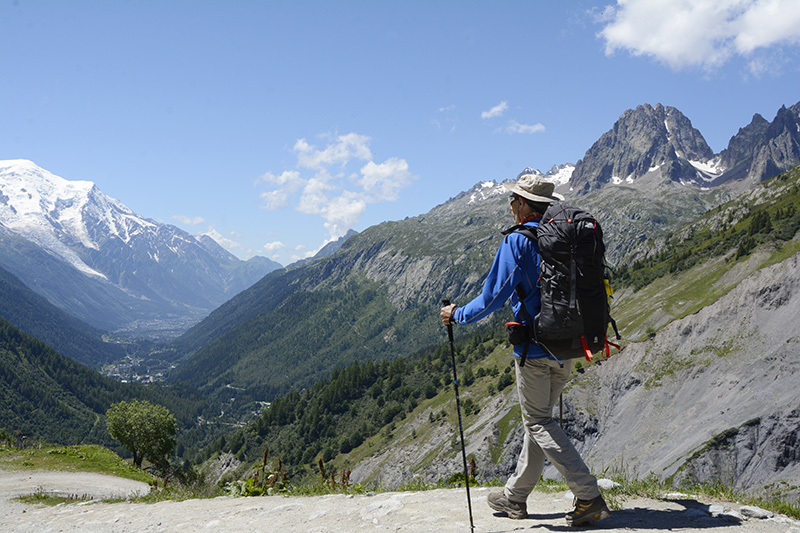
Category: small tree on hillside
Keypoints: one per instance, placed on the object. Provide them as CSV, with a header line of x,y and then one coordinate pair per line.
x,y
147,430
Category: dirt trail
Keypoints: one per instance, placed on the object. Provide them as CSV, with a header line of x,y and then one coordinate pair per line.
x,y
443,510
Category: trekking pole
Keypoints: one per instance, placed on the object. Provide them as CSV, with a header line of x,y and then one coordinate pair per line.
x,y
458,409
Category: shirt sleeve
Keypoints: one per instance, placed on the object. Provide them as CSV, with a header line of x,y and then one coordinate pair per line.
x,y
499,286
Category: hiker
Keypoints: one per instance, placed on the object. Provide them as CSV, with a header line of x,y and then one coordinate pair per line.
x,y
541,379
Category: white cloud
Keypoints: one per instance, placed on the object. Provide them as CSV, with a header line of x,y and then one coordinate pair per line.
x,y
343,212
336,182
317,192
274,246
516,127
223,241
496,111
274,200
383,182
768,23
701,33
288,182
189,221
346,148
284,178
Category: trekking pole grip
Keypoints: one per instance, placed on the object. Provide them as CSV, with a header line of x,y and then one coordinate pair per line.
x,y
445,303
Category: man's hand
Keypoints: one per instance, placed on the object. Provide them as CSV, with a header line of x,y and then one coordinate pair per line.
x,y
447,314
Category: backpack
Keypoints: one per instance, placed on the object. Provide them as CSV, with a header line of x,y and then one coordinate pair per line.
x,y
574,315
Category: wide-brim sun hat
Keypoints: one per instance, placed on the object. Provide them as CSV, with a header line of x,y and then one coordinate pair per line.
x,y
533,187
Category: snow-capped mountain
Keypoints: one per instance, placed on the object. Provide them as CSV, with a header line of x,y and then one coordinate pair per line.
x,y
59,214
156,272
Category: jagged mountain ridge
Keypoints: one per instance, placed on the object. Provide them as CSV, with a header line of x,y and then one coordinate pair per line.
x,y
644,140
652,171
647,148
131,271
658,145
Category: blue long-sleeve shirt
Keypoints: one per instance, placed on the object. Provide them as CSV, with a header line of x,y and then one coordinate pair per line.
x,y
516,262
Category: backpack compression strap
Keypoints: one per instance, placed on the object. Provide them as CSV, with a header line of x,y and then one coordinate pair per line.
x,y
586,351
608,348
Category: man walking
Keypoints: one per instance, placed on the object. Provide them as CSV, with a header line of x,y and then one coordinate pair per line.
x,y
542,378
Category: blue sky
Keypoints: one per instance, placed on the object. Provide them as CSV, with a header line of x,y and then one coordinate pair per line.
x,y
277,125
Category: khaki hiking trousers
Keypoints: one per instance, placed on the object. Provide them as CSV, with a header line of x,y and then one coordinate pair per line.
x,y
539,384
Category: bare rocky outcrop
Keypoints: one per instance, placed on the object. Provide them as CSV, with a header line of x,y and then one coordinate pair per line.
x,y
643,140
224,465
711,397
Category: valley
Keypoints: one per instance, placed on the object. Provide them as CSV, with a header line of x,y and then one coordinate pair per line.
x,y
341,357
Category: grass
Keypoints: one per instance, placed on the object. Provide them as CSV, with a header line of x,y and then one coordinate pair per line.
x,y
675,296
79,458
42,498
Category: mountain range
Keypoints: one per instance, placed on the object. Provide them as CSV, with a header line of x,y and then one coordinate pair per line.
x,y
375,295
700,393
93,257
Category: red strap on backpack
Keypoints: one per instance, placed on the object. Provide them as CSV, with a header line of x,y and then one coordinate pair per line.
x,y
608,347
586,350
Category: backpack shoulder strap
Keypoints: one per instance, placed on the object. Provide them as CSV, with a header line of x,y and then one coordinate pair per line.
x,y
529,232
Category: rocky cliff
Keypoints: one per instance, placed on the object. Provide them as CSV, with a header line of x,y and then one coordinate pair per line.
x,y
710,397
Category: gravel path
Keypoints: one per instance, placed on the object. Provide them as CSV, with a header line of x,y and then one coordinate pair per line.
x,y
442,510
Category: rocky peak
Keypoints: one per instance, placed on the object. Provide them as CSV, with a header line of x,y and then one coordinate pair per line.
x,y
643,140
740,146
764,149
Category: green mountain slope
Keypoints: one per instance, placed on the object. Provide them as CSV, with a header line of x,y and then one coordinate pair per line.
x,y
36,316
52,397
344,417
699,263
710,355
376,299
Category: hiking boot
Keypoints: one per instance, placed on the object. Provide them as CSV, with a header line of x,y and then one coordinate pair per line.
x,y
588,512
516,510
